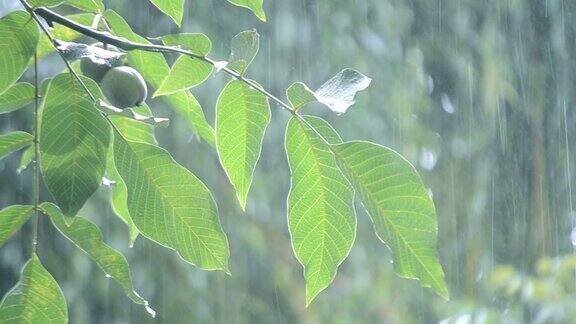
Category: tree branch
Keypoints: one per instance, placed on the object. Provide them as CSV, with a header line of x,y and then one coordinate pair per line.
x,y
127,45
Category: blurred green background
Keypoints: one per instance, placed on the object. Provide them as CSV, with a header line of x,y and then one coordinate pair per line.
x,y
478,94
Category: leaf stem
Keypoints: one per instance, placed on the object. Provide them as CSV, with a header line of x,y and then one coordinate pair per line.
x,y
127,45
36,156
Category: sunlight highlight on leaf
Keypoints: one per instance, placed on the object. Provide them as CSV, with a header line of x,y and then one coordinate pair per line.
x,y
170,205
321,214
254,5
403,213
173,8
87,236
242,115
36,298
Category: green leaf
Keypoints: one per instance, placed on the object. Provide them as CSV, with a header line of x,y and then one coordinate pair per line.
x,y
119,197
87,236
300,95
95,6
186,73
63,33
337,94
134,130
16,97
321,214
18,43
137,132
154,68
400,208
244,48
11,220
170,205
74,139
45,3
26,158
14,141
254,5
242,115
188,108
172,8
194,42
36,298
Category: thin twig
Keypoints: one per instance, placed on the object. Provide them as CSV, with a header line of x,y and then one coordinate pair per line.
x,y
32,12
128,45
36,184
68,65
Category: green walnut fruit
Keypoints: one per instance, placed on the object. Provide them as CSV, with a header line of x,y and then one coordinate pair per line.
x,y
97,71
124,87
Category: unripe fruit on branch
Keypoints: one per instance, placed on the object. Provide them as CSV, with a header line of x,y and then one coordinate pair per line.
x,y
124,87
97,71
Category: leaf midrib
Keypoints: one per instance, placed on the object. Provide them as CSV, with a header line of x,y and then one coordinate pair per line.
x,y
322,191
164,199
387,221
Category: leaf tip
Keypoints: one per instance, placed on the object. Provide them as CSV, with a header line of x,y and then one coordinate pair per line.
x,y
443,292
242,200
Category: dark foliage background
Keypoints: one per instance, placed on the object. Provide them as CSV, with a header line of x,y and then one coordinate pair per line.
x,y
478,94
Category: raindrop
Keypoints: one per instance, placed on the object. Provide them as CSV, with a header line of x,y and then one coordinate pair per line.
x,y
428,159
459,148
150,311
430,84
219,65
447,104
108,182
573,237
